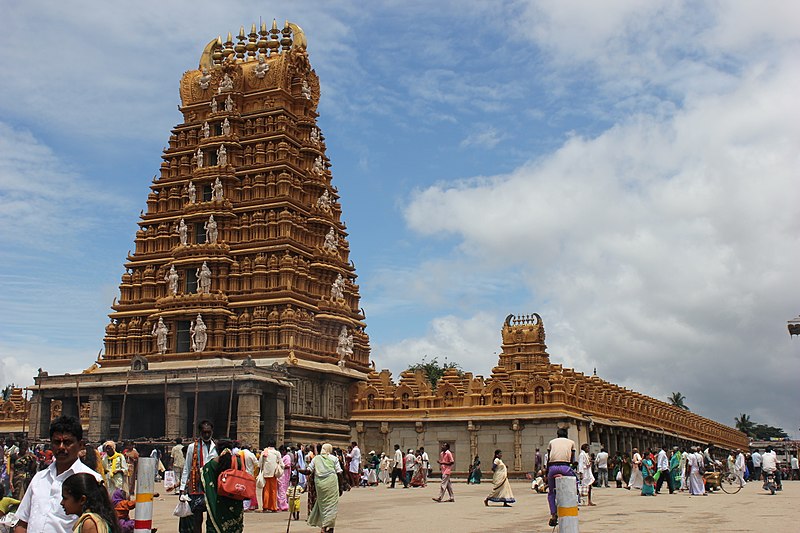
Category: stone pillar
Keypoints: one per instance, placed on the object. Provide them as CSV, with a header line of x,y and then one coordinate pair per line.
x,y
248,419
176,412
516,427
387,447
280,415
99,418
473,440
37,423
419,427
360,434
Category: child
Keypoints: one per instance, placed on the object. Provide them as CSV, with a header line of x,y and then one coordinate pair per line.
x,y
122,508
293,496
648,487
83,495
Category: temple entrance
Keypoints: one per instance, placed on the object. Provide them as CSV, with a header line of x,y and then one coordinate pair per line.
x,y
144,417
212,406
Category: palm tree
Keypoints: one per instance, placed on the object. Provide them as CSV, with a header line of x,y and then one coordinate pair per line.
x,y
677,399
744,424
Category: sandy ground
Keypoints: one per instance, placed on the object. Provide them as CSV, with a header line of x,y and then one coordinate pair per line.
x,y
412,511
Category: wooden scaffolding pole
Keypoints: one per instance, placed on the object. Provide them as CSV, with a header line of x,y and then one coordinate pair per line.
x,y
230,404
124,402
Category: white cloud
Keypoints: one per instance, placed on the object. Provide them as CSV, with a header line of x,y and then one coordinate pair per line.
x,y
484,137
12,370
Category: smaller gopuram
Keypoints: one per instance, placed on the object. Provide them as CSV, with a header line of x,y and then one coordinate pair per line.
x,y
519,408
239,302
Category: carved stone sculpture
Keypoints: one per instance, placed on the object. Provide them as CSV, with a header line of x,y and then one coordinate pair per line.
x,y
211,230
192,193
331,242
318,167
172,280
199,158
226,126
160,332
204,279
204,80
199,334
337,289
306,90
206,130
226,85
217,191
222,156
315,135
262,68
183,232
345,347
213,105
324,202
229,104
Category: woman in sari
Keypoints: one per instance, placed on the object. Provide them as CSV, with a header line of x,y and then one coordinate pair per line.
x,y
225,515
475,472
283,481
419,477
311,489
328,480
501,488
636,480
626,469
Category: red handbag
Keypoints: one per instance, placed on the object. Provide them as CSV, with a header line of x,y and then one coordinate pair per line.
x,y
235,483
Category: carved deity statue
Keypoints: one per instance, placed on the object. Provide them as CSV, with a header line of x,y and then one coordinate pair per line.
x,y
172,280
198,331
226,85
217,191
204,80
331,242
183,232
262,67
206,130
222,156
192,193
160,332
229,104
345,347
306,90
315,135
226,126
211,230
199,158
203,279
324,202
213,104
318,167
337,289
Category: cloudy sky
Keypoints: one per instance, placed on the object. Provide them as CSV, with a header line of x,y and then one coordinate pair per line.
x,y
627,169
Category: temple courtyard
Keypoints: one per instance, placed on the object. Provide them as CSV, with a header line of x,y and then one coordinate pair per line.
x,y
411,510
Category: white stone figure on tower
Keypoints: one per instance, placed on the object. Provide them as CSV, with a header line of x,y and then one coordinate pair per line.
x,y
183,232
229,104
324,202
204,80
345,346
318,167
315,135
226,85
306,90
199,158
262,67
337,289
211,230
226,127
217,191
222,156
172,280
206,130
198,331
331,242
214,105
192,193
160,332
204,279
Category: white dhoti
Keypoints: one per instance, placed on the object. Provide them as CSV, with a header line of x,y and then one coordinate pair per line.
x,y
637,480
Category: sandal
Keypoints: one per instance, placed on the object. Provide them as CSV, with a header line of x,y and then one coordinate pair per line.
x,y
553,521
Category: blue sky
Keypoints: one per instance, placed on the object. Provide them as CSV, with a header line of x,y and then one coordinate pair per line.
x,y
626,169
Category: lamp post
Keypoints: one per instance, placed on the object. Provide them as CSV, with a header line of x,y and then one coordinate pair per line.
x,y
794,326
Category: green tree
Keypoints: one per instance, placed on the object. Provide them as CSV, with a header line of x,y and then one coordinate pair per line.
x,y
765,432
433,370
745,425
677,399
7,391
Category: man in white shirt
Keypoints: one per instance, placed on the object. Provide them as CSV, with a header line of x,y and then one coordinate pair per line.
x,y
271,466
198,453
795,467
769,465
178,460
739,467
397,467
602,467
756,457
355,464
662,465
40,510
426,461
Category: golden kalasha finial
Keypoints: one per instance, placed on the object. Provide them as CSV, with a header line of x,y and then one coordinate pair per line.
x,y
240,46
217,54
228,46
273,43
286,42
251,42
262,41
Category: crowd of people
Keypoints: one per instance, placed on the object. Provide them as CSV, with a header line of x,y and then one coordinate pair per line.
x,y
95,484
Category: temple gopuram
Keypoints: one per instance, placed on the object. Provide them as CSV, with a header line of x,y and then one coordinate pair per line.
x,y
239,302
519,408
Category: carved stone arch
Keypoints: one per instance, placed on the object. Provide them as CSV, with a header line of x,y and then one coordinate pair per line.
x,y
538,382
447,394
404,395
139,363
370,397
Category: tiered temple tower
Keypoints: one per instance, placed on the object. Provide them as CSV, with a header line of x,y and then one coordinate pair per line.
x,y
239,302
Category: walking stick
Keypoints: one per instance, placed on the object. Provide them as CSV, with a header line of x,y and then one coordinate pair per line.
x,y
291,511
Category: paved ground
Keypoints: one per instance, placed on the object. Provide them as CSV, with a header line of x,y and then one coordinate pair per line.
x,y
412,511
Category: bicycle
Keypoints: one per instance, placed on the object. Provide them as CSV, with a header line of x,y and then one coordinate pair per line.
x,y
729,482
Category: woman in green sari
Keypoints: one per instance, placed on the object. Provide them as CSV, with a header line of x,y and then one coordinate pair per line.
x,y
225,515
327,481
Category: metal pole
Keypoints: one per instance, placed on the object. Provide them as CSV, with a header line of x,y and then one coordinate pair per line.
x,y
567,504
145,484
166,412
230,404
124,402
78,394
196,393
